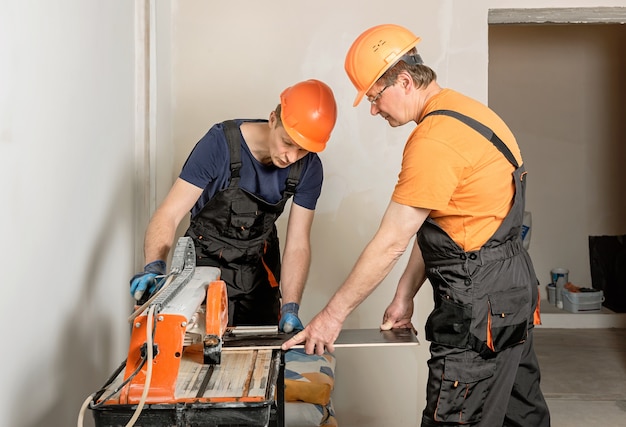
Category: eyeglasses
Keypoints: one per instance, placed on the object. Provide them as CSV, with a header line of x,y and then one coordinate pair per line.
x,y
373,100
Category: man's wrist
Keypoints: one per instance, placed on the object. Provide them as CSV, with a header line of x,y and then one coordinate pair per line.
x,y
290,307
157,267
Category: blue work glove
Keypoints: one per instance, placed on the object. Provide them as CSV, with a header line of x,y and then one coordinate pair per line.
x,y
147,279
289,320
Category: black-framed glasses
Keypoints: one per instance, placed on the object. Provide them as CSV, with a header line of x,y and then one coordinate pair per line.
x,y
375,98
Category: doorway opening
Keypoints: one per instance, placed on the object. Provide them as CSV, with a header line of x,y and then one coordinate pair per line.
x,y
556,77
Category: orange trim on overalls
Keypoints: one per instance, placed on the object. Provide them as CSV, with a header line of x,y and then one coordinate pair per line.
x,y
270,275
489,334
537,313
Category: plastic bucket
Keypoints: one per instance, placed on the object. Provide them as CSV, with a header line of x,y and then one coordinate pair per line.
x,y
559,278
558,273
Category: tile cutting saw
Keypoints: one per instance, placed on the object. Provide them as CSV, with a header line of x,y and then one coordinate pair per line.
x,y
177,372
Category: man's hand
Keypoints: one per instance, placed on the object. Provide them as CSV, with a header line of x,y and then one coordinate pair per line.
x,y
289,320
398,315
318,336
147,279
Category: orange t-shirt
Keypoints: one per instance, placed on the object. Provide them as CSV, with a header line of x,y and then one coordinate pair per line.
x,y
458,174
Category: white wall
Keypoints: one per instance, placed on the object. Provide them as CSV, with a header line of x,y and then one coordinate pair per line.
x,y
66,168
67,155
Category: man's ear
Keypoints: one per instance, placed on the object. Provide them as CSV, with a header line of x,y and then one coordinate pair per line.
x,y
272,120
405,79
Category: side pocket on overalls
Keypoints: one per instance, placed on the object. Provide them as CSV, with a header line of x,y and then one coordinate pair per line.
x,y
507,323
464,386
449,324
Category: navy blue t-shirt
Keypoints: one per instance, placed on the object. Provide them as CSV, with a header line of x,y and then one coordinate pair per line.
x,y
208,167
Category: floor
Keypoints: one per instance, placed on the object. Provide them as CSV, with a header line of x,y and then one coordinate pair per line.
x,y
583,375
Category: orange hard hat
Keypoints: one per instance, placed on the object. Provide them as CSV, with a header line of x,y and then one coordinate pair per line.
x,y
374,52
308,113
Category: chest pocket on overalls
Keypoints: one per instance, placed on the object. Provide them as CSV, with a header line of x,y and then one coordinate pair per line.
x,y
246,222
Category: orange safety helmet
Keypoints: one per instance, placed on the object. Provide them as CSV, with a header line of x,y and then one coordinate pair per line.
x,y
374,52
308,113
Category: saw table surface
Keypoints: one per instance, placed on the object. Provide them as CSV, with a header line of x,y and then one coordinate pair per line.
x,y
241,376
240,390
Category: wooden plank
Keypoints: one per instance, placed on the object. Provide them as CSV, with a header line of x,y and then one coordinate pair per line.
x,y
190,378
229,377
259,378
347,338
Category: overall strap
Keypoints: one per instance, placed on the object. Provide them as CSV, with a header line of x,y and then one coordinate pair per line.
x,y
293,179
233,137
481,129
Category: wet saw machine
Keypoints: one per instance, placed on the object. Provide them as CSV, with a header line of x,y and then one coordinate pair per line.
x,y
178,371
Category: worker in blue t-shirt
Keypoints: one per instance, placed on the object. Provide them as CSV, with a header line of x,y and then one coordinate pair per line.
x,y
235,183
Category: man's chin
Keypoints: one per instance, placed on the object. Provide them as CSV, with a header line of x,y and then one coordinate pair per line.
x,y
391,122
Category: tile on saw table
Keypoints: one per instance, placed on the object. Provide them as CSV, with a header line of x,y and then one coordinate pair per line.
x,y
347,338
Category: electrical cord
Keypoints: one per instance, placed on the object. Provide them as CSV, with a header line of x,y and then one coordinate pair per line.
x,y
83,408
114,392
150,330
146,386
92,397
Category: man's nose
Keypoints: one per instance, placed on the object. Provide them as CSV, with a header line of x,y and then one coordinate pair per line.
x,y
292,154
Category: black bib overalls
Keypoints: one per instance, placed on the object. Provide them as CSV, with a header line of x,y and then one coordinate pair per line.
x,y
236,232
483,370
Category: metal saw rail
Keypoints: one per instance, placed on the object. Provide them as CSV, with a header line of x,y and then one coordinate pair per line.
x,y
181,272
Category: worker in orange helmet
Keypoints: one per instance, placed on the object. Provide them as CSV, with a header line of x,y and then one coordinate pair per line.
x,y
235,183
460,193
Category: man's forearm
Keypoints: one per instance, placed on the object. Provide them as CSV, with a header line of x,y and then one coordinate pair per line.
x,y
158,240
294,273
413,276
